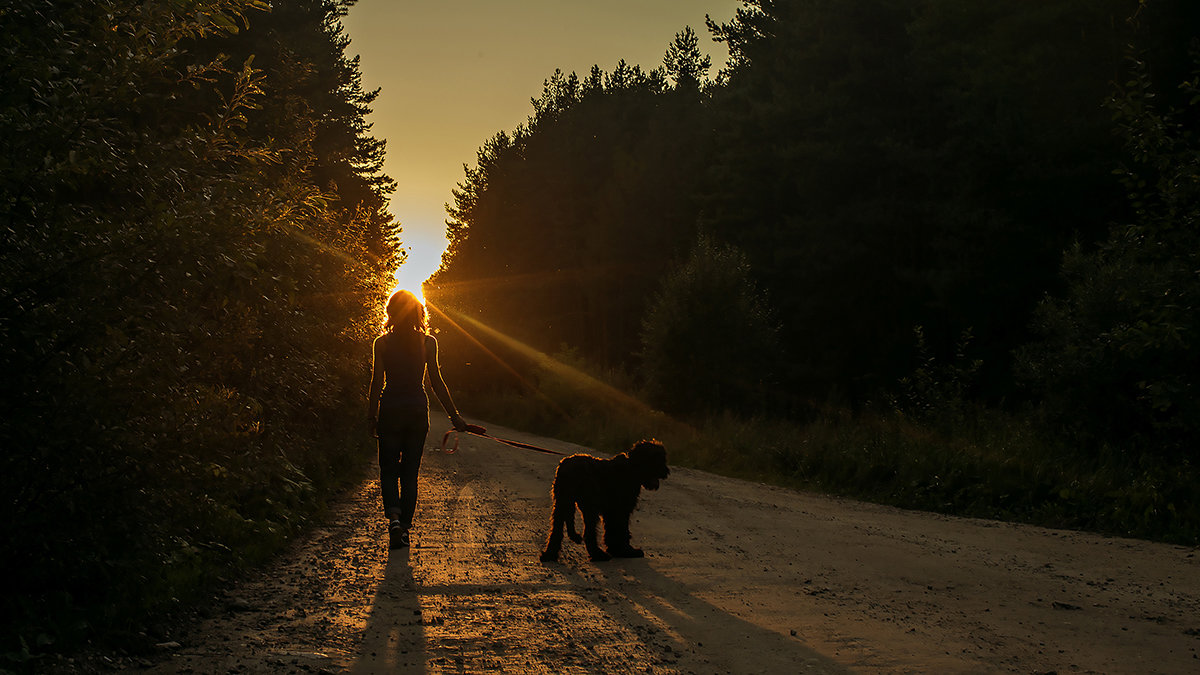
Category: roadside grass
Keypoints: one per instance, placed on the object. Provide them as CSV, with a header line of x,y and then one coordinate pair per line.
x,y
978,463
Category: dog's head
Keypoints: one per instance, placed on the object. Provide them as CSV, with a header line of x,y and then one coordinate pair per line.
x,y
649,459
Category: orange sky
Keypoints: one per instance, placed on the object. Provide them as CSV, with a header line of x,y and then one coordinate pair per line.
x,y
455,72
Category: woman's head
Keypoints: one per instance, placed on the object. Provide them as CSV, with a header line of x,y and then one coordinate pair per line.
x,y
405,312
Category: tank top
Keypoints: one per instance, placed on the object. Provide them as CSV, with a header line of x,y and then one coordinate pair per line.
x,y
403,355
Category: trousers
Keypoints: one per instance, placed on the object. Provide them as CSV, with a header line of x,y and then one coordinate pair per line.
x,y
400,449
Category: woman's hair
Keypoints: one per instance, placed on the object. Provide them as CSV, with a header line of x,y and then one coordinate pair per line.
x,y
405,312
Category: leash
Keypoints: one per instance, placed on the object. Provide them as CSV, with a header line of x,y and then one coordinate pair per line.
x,y
476,430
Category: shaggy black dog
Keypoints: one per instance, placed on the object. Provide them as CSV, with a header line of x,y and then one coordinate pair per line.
x,y
603,488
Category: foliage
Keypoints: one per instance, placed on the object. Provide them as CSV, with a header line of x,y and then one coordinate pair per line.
x,y
881,164
684,63
183,297
891,163
563,229
938,391
709,341
1118,359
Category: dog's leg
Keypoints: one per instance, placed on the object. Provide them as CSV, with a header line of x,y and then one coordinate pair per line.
x,y
616,536
564,512
570,521
591,519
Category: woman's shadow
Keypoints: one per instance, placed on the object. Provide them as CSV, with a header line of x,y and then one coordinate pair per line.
x,y
393,639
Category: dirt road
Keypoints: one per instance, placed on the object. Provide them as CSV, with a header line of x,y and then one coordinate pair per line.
x,y
739,578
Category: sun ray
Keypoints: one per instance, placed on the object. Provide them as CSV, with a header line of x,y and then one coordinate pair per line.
x,y
503,364
516,282
603,390
295,232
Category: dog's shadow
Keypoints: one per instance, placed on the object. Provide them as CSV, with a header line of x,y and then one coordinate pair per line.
x,y
668,616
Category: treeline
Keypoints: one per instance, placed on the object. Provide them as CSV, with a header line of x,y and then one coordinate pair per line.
x,y
195,237
918,205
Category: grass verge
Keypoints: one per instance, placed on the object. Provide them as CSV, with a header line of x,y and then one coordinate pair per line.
x,y
984,464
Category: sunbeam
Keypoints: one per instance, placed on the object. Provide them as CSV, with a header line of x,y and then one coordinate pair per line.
x,y
296,233
606,392
503,364
515,283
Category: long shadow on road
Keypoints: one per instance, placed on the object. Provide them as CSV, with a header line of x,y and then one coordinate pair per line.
x,y
621,616
393,638
473,597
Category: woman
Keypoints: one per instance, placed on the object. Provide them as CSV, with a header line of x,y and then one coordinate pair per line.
x,y
398,409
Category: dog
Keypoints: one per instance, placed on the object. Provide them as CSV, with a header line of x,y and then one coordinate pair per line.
x,y
605,489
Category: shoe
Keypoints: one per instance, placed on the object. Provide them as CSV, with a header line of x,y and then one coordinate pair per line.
x,y
397,535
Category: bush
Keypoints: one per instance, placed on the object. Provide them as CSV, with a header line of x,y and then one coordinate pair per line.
x,y
1117,362
709,340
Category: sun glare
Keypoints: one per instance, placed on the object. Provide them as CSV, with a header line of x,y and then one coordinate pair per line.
x,y
420,264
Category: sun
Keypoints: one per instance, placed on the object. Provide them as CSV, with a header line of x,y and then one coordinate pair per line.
x,y
422,259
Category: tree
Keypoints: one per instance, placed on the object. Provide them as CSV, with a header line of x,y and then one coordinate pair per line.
x,y
562,230
891,163
185,306
685,64
1118,357
709,340
313,110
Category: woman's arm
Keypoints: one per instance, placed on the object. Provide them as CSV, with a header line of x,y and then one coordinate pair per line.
x,y
376,386
439,385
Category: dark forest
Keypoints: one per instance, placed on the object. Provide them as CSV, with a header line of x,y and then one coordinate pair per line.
x,y
936,255
195,244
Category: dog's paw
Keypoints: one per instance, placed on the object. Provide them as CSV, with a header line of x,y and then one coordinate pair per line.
x,y
628,552
547,556
600,556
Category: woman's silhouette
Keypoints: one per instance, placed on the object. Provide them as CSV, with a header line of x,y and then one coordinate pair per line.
x,y
398,409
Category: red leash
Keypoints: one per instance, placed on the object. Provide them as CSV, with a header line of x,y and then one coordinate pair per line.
x,y
476,430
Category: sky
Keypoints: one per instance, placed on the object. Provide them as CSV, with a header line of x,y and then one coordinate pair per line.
x,y
453,73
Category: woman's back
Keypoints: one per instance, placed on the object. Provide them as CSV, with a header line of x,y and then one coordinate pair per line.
x,y
403,356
